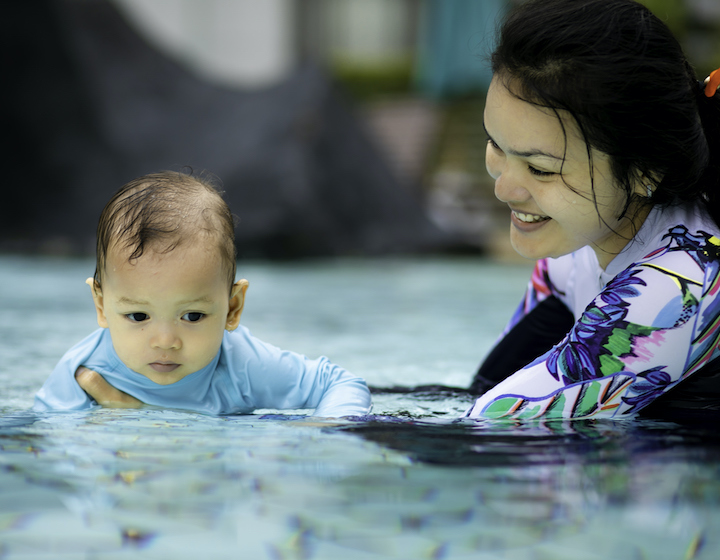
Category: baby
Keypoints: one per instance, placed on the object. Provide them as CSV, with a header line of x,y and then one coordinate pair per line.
x,y
169,307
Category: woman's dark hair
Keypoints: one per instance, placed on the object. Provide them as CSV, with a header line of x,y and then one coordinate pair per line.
x,y
622,75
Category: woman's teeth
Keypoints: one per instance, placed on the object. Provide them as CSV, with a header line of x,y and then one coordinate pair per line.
x,y
529,218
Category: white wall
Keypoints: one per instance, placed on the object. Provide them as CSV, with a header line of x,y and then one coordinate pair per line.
x,y
247,43
366,31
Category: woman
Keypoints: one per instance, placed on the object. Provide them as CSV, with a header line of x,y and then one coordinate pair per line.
x,y
606,149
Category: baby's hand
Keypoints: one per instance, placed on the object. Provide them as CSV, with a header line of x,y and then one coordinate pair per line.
x,y
105,394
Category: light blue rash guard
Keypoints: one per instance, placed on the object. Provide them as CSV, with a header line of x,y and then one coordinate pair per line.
x,y
245,375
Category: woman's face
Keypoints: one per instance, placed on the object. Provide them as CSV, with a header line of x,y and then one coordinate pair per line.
x,y
544,177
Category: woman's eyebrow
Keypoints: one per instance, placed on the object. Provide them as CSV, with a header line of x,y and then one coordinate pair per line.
x,y
526,154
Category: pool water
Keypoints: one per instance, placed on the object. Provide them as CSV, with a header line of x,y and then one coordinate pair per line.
x,y
410,481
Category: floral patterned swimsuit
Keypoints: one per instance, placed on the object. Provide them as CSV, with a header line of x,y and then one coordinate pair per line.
x,y
637,332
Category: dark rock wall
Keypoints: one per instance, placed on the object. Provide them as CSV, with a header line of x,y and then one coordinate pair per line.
x,y
90,106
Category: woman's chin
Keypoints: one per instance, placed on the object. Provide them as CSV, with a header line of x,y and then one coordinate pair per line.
x,y
530,251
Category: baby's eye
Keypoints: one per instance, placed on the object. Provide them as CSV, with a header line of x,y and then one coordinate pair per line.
x,y
137,317
193,317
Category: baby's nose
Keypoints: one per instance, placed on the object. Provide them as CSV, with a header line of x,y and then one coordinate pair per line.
x,y
165,338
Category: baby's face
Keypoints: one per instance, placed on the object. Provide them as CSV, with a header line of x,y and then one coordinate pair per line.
x,y
167,312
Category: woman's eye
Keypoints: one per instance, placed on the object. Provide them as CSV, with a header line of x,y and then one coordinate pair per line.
x,y
493,145
538,172
193,317
137,317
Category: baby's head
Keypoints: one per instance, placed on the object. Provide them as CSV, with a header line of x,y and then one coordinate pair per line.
x,y
164,280
162,211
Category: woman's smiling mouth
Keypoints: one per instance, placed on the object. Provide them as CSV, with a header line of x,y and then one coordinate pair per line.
x,y
529,218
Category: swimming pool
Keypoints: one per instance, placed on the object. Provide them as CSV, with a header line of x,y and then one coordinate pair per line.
x,y
408,482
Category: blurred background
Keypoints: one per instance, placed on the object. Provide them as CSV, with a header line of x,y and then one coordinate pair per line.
x,y
335,127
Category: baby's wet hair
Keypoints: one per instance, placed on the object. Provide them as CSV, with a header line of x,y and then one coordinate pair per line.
x,y
161,211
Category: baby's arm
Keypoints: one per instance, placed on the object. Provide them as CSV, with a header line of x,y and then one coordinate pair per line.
x,y
342,393
269,377
104,394
298,382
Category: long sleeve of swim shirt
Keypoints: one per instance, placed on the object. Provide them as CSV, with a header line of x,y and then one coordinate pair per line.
x,y
247,374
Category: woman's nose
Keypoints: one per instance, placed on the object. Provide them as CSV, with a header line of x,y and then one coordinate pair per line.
x,y
508,190
508,186
165,338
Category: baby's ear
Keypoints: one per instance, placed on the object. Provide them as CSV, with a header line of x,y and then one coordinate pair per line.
x,y
237,302
98,300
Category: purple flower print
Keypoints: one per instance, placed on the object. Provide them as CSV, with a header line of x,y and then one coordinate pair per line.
x,y
655,383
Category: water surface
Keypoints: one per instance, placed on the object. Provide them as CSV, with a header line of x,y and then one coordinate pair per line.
x,y
410,481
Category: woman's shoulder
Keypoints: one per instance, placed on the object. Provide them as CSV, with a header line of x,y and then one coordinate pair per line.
x,y
668,223
683,231
683,244
669,234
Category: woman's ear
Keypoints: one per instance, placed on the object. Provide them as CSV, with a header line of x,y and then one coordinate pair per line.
x,y
237,302
98,300
646,185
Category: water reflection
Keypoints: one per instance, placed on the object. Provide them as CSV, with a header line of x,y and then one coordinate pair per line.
x,y
604,486
172,484
497,444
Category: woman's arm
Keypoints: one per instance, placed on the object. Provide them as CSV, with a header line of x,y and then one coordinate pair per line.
x,y
652,326
533,335
540,321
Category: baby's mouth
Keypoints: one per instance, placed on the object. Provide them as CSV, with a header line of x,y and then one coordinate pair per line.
x,y
164,367
529,218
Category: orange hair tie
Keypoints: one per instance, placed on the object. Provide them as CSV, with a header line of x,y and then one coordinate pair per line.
x,y
712,83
